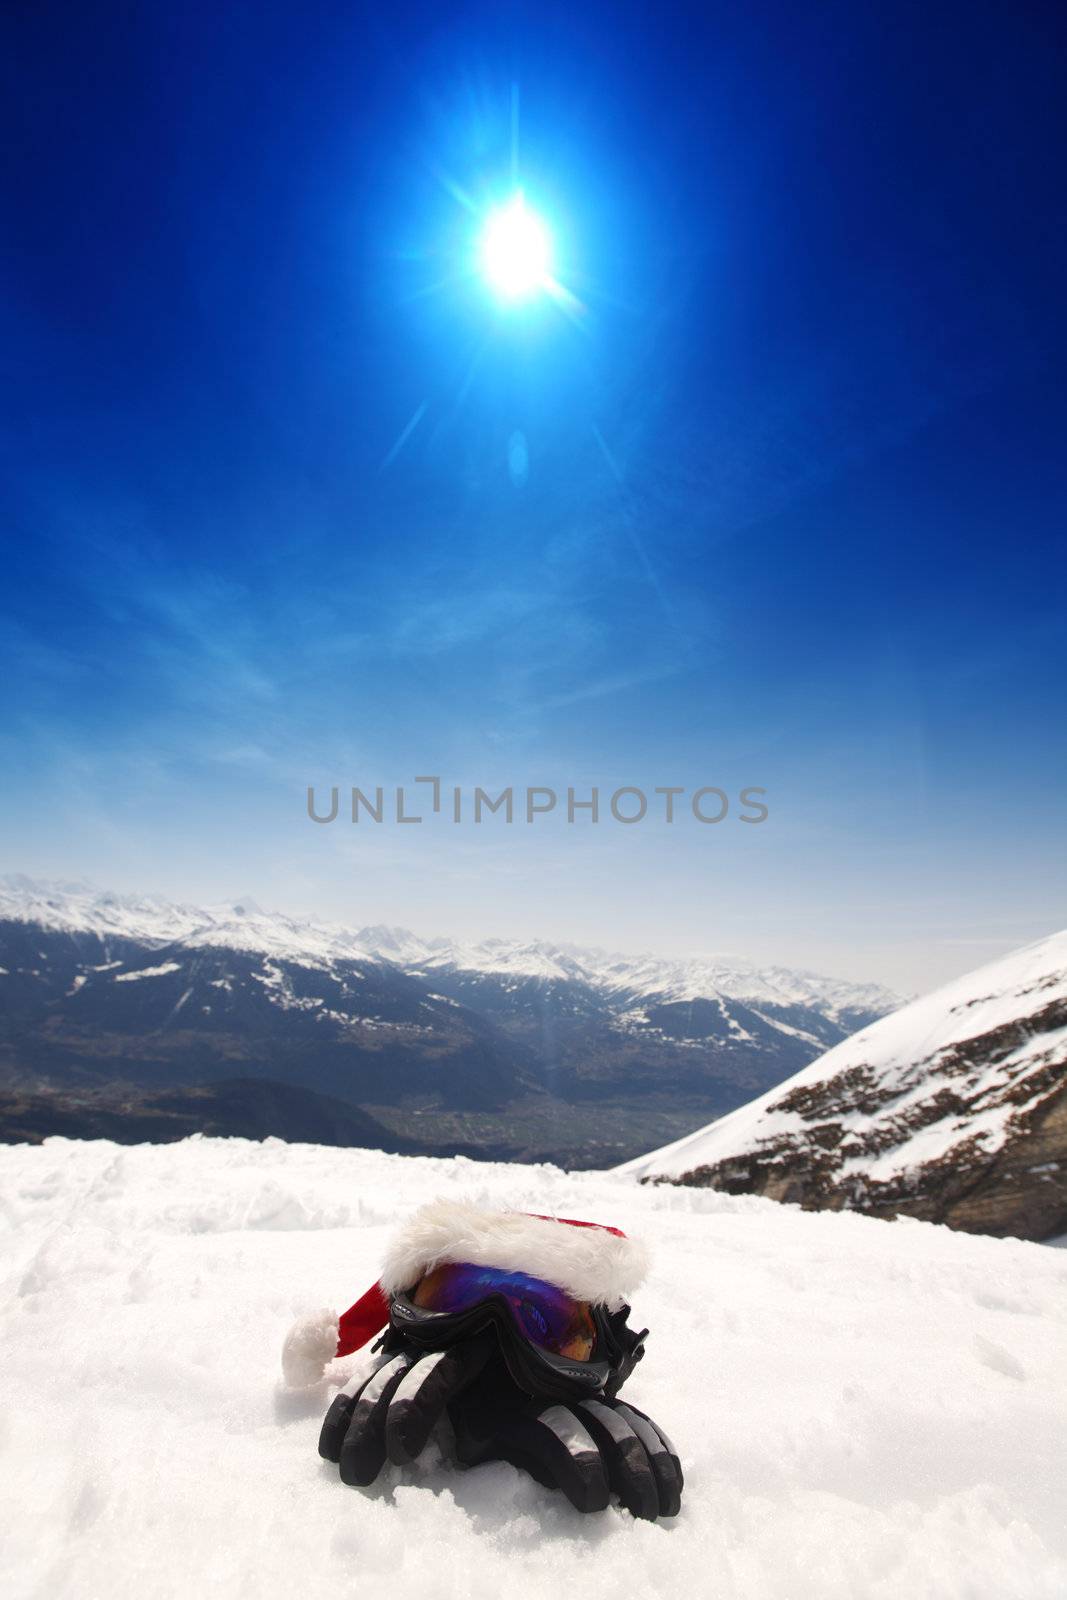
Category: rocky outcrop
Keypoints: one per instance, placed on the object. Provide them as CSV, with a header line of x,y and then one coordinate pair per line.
x,y
953,1110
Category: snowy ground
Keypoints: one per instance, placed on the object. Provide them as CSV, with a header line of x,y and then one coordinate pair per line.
x,y
863,1409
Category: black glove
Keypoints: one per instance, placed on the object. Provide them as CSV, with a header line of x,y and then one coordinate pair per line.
x,y
392,1412
588,1449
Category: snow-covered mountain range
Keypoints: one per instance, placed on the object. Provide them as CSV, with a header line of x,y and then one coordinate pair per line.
x,y
954,1109
528,1049
242,925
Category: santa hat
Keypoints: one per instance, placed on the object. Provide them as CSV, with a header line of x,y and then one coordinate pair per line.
x,y
587,1260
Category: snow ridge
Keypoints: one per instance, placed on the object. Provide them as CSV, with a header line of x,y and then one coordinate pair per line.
x,y
243,926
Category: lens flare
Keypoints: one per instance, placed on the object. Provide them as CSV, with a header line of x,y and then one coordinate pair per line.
x,y
516,251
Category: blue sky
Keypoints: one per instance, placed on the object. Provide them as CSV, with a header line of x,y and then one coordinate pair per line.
x,y
289,498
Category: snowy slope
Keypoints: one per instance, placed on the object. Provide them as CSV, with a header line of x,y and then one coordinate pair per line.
x,y
939,1092
864,1411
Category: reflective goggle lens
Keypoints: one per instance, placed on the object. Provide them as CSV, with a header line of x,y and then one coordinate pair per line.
x,y
546,1315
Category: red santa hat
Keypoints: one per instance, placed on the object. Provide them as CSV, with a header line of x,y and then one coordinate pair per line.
x,y
587,1260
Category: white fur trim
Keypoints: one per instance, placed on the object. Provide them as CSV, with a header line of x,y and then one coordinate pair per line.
x,y
310,1345
589,1263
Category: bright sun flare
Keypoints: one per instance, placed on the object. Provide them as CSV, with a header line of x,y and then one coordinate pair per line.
x,y
516,255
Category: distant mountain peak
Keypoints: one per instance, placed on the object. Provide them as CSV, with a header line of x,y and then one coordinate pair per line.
x,y
246,906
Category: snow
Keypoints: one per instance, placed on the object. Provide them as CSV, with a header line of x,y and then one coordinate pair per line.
x,y
681,980
673,980
155,921
902,1053
147,972
865,1410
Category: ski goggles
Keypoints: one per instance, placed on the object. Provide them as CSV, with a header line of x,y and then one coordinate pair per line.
x,y
551,1343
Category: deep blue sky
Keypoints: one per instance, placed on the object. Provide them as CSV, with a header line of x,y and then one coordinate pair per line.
x,y
795,481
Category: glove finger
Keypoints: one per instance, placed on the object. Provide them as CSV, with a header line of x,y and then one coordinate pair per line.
x,y
425,1390
556,1449
666,1468
667,1445
625,1457
335,1423
363,1451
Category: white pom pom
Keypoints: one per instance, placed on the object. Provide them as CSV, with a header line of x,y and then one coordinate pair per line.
x,y
310,1345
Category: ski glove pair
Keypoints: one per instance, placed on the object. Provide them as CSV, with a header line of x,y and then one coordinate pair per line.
x,y
588,1449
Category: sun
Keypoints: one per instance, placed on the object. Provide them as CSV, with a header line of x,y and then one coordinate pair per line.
x,y
516,252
